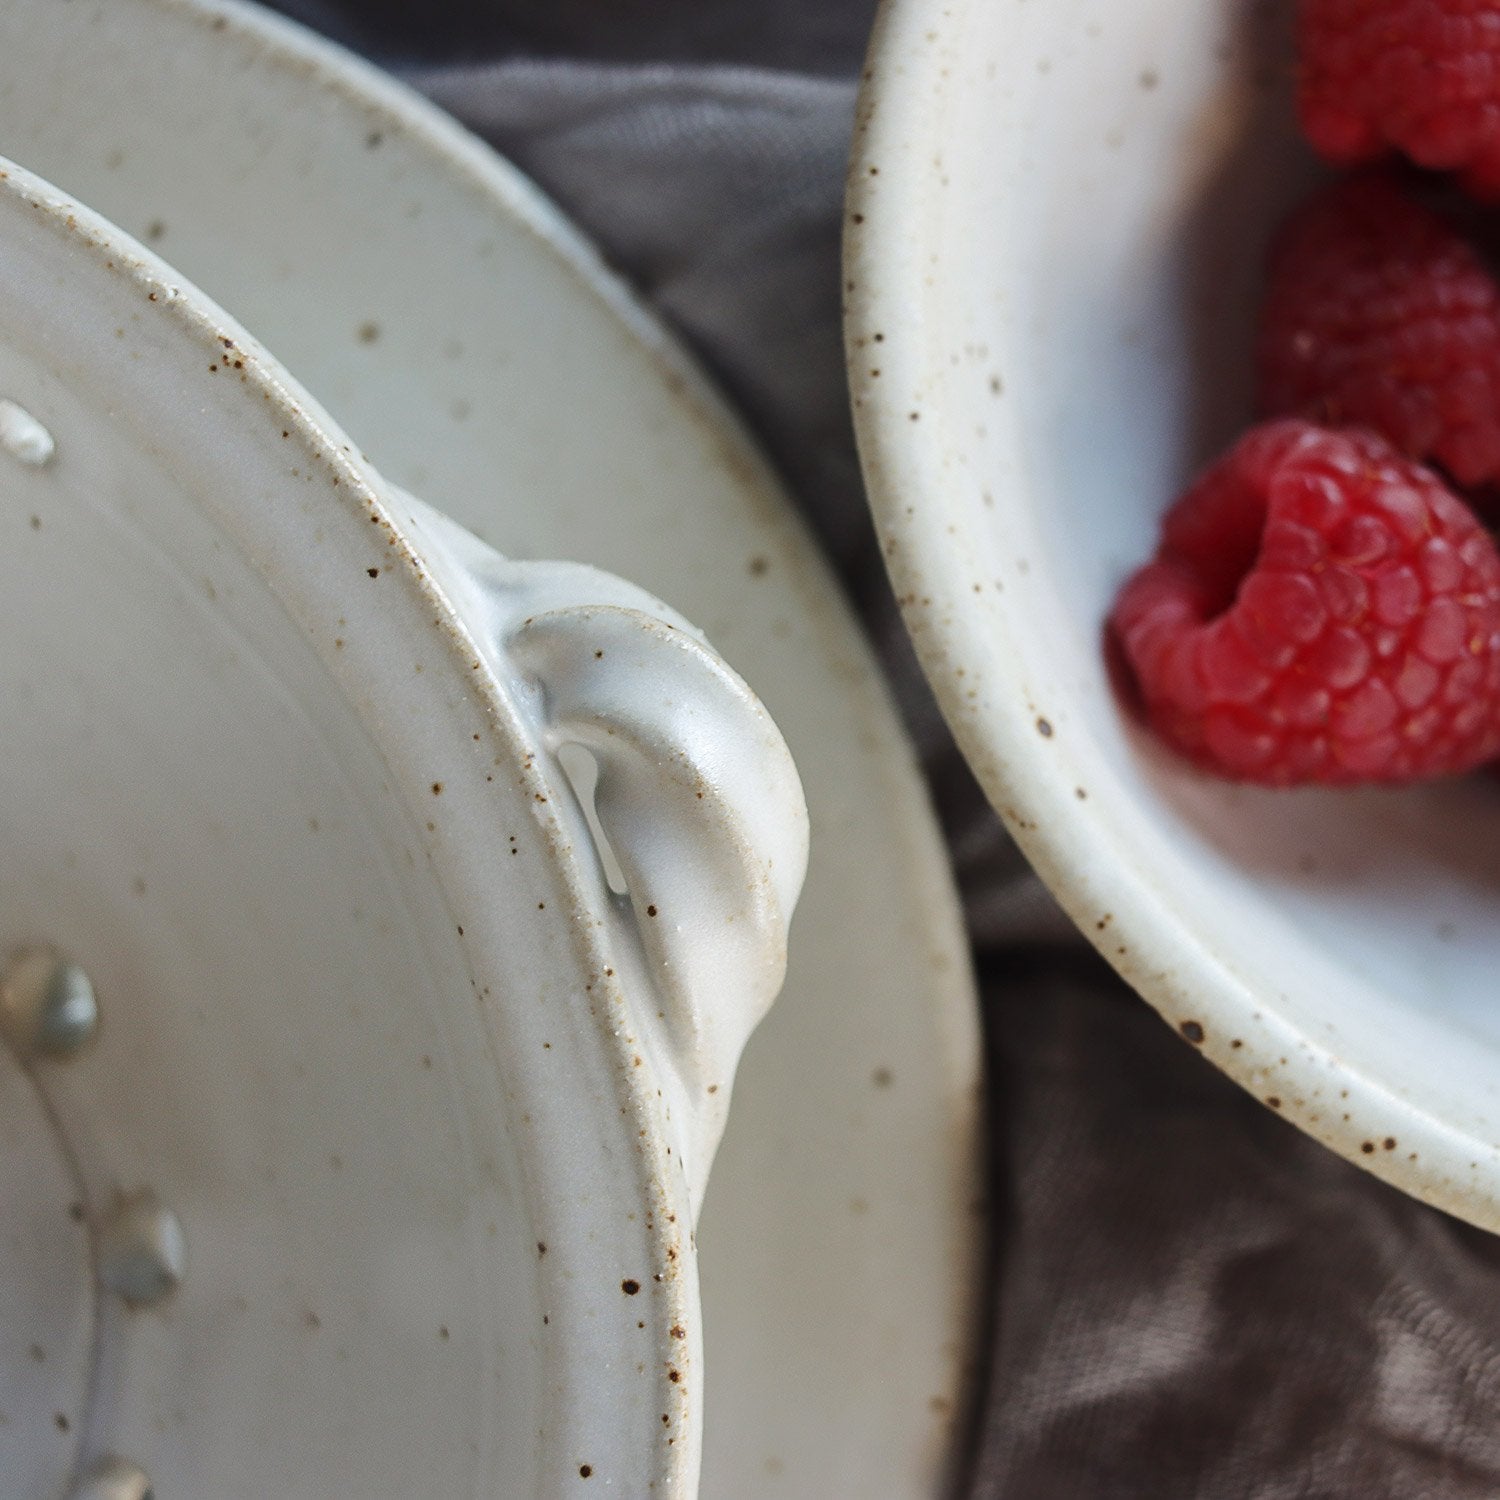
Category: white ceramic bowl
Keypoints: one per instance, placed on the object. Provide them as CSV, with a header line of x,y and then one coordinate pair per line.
x,y
377,1172
1057,215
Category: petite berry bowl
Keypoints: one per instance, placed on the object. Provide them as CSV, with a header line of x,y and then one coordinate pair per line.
x,y
1057,220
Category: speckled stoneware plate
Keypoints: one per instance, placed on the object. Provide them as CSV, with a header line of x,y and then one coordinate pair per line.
x,y
456,326
1057,217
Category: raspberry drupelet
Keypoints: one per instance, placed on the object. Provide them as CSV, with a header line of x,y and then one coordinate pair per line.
x,y
1421,77
1320,610
1379,313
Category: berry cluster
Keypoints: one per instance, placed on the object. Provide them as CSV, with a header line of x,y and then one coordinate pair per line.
x,y
1324,603
1418,77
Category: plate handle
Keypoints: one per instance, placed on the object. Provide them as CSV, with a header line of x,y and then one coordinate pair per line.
x,y
697,798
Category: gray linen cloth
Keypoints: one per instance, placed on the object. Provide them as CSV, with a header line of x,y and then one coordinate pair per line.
x,y
1193,1302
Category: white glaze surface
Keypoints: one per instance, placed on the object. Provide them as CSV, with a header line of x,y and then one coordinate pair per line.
x,y
1057,217
849,1168
46,1295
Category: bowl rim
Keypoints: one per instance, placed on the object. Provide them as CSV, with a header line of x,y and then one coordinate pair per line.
x,y
893,256
649,1205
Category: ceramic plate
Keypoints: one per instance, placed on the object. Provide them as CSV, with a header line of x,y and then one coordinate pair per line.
x,y
460,329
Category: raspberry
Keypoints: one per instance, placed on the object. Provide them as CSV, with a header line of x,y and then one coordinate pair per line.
x,y
1419,76
1379,313
1320,609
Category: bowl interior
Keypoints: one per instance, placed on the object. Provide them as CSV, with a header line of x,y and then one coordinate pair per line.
x,y
194,814
289,1055
1057,346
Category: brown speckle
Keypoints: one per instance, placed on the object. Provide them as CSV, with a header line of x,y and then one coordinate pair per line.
x,y
585,1470
369,332
882,1078
650,911
678,1332
1044,728
36,523
1273,1102
630,1287
541,1247
1368,1147
1193,1031
373,572
675,1376
759,566
61,1421
437,788
1389,1143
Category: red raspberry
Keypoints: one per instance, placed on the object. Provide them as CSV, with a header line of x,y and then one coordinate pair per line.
x,y
1320,609
1419,76
1379,313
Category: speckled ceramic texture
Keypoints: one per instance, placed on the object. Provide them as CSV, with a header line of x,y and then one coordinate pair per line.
x,y
433,1105
481,353
1056,217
